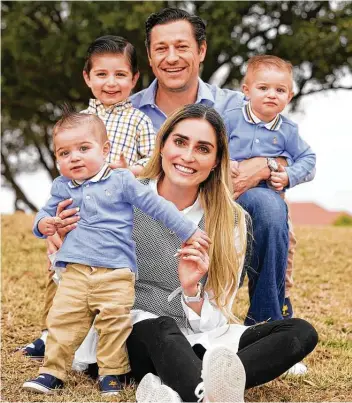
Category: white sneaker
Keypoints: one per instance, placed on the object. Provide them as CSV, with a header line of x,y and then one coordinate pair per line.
x,y
224,375
147,388
151,390
166,395
297,369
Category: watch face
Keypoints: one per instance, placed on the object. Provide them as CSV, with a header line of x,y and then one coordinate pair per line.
x,y
273,165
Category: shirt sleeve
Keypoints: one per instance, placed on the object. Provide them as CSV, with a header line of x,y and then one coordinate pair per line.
x,y
145,140
49,210
211,316
156,206
303,168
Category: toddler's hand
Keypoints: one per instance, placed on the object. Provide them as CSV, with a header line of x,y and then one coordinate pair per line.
x,y
120,163
48,225
234,165
279,180
198,239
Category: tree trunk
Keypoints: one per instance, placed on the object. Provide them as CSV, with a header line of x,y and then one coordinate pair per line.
x,y
20,196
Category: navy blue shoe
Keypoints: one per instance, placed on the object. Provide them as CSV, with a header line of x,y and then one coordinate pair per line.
x,y
110,384
287,310
35,350
44,383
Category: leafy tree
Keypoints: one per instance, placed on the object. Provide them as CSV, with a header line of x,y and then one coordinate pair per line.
x,y
44,44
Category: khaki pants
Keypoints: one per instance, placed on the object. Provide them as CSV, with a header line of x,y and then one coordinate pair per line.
x,y
291,250
86,293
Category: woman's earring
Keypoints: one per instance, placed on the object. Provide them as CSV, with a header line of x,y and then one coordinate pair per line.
x,y
161,155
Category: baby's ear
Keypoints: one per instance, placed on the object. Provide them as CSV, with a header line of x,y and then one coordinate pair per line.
x,y
245,89
291,95
106,148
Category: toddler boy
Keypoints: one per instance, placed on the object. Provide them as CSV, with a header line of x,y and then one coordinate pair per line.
x,y
259,130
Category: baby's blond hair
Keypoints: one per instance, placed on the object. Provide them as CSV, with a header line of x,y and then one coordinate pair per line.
x,y
255,63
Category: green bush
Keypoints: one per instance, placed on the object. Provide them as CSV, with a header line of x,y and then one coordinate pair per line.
x,y
344,220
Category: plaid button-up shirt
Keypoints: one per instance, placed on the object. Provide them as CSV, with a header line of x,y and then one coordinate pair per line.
x,y
129,130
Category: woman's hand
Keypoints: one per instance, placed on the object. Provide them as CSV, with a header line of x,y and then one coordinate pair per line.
x,y
68,217
192,266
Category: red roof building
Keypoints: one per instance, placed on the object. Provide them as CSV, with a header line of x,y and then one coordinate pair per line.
x,y
313,214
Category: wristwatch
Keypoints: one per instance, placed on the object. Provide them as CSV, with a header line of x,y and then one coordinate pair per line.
x,y
197,298
272,164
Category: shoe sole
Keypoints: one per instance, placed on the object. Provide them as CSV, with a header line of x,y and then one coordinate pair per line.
x,y
224,375
147,388
36,387
165,394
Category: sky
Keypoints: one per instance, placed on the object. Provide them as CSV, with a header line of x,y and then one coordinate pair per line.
x,y
325,122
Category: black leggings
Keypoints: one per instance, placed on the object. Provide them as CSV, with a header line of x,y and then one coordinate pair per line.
x,y
266,351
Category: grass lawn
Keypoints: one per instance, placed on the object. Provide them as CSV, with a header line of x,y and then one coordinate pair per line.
x,y
322,295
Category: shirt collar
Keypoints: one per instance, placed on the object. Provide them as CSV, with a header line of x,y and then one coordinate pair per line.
x,y
204,94
193,213
103,174
250,117
96,107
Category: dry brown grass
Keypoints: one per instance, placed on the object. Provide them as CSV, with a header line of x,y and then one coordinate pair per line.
x,y
323,296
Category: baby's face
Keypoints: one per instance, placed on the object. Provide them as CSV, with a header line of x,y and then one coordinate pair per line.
x,y
269,90
80,152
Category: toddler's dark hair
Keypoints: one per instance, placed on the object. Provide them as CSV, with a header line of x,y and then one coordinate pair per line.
x,y
115,45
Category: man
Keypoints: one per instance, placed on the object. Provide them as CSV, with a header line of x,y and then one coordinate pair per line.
x,y
176,46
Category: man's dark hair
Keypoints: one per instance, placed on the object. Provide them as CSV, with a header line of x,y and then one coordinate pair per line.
x,y
115,45
168,15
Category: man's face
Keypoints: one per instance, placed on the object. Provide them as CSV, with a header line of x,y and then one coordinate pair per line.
x,y
174,55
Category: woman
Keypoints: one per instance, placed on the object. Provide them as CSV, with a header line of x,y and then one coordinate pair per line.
x,y
172,332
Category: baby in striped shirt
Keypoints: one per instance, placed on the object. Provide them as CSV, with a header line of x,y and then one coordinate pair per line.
x,y
111,72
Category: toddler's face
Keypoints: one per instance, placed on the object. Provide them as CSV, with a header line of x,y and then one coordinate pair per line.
x,y
80,152
110,78
269,90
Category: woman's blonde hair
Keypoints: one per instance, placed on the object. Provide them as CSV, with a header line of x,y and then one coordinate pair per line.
x,y
221,213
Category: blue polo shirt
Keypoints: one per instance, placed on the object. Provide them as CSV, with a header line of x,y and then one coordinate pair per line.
x,y
103,237
249,137
211,95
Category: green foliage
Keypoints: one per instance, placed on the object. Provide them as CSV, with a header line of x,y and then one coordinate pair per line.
x,y
344,220
44,45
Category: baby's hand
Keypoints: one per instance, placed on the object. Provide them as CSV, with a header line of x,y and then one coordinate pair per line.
x,y
198,239
48,225
279,180
234,165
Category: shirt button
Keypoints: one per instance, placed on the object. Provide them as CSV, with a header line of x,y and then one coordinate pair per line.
x,y
87,197
153,106
172,232
257,140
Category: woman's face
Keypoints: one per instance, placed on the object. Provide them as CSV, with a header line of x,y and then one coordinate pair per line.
x,y
189,153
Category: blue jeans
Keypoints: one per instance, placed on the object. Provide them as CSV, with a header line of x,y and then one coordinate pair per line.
x,y
269,253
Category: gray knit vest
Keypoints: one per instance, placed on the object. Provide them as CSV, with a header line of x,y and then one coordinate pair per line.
x,y
157,267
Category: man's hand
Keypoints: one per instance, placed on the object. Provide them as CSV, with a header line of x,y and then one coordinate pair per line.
x,y
120,163
279,180
234,169
251,172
